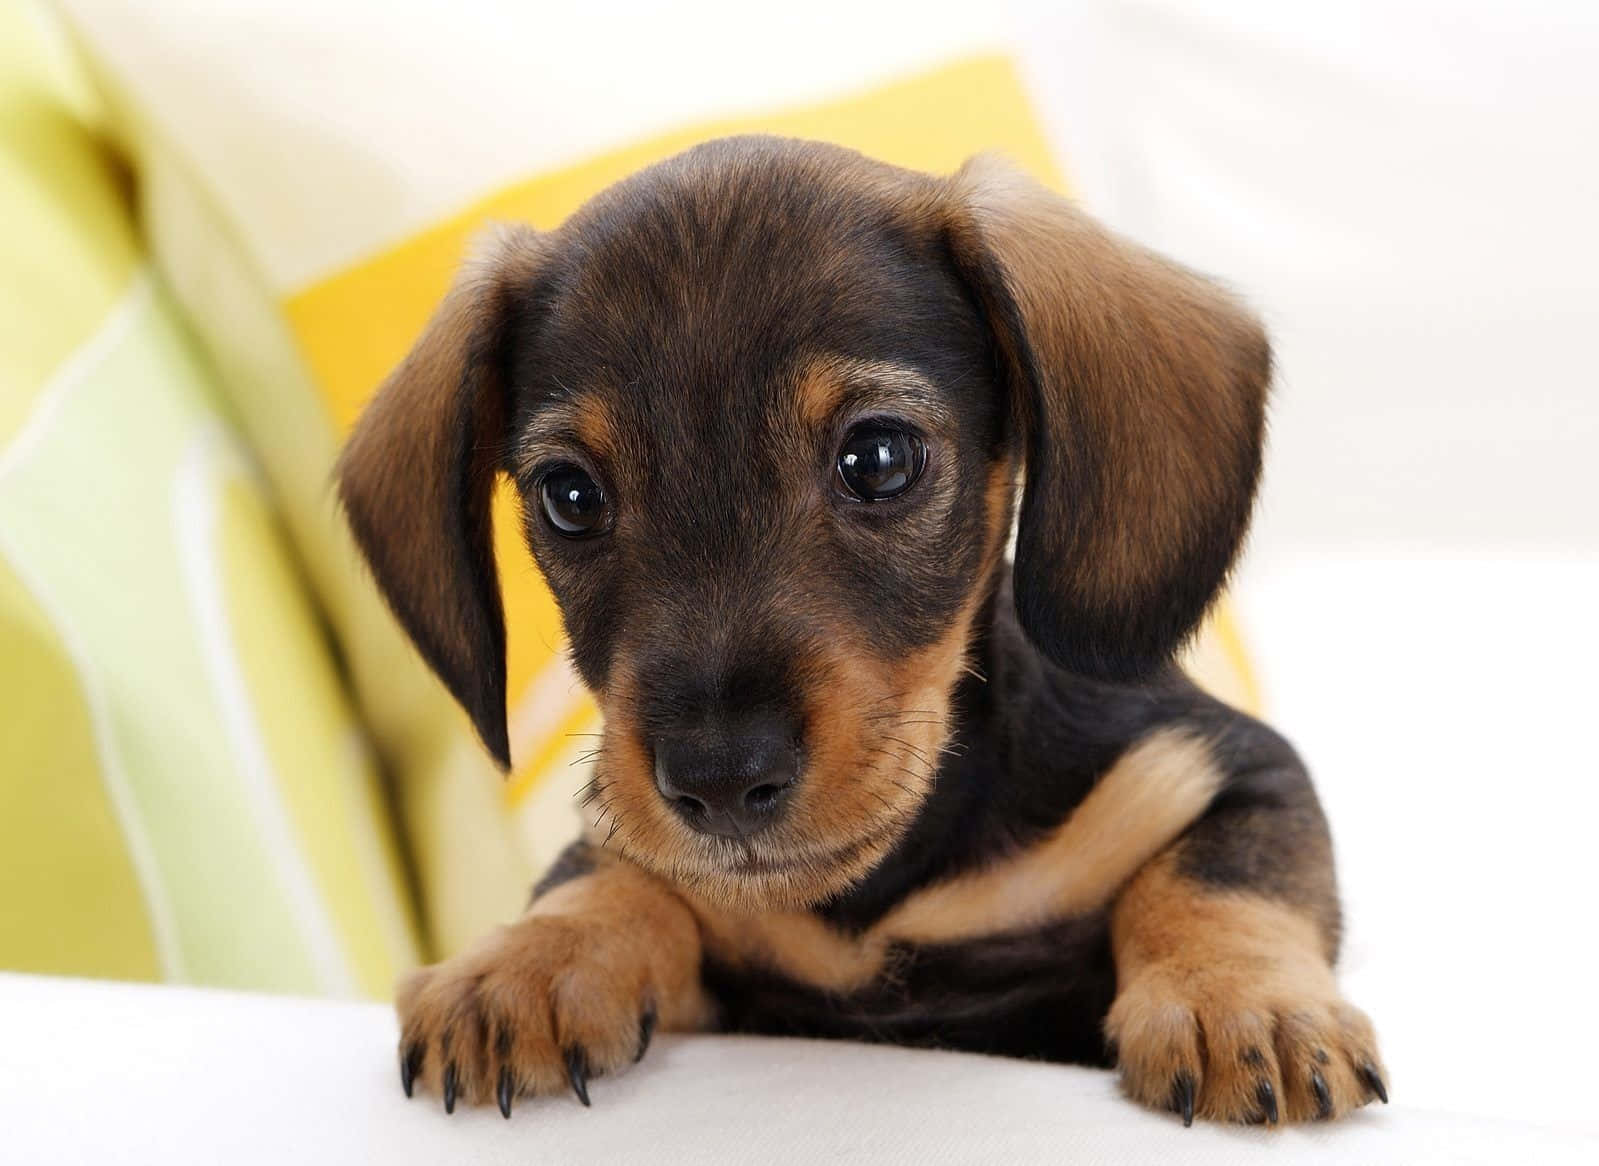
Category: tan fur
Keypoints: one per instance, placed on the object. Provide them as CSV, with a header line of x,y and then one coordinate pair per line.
x,y
1149,797
422,522
1233,990
817,392
1154,376
580,969
396,452
796,944
822,386
597,428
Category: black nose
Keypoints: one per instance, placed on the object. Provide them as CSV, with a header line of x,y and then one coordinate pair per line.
x,y
728,780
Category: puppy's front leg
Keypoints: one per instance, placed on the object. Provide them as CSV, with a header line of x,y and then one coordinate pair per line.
x,y
1226,1002
572,989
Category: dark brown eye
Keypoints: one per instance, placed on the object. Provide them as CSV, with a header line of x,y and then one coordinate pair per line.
x,y
574,503
879,462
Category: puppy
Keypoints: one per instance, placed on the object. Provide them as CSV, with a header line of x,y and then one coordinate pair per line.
x,y
767,405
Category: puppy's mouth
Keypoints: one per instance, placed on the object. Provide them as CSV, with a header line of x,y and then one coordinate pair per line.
x,y
790,869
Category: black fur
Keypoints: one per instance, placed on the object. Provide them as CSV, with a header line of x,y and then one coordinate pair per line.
x,y
574,862
1038,995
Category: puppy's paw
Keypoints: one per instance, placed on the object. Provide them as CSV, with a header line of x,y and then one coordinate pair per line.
x,y
536,1008
1226,1045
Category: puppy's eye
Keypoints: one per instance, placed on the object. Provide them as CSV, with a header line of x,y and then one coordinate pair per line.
x,y
574,503
879,462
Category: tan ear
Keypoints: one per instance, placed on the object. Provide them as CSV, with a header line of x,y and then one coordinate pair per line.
x,y
417,480
1140,393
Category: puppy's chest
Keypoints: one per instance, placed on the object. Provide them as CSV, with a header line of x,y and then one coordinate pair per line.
x,y
1040,993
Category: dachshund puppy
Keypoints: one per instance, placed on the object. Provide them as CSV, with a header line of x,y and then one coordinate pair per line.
x,y
767,405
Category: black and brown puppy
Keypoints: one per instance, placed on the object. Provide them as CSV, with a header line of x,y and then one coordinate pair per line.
x,y
767,404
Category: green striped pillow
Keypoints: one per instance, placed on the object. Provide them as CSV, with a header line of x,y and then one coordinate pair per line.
x,y
185,793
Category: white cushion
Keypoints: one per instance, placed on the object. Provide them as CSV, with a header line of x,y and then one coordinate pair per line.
x,y
121,1073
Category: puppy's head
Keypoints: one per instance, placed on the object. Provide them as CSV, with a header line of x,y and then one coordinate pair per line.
x,y
765,405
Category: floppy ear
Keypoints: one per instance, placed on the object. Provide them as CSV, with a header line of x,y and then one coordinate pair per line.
x,y
417,480
1140,393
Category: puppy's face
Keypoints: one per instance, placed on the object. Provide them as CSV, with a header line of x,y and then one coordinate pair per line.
x,y
764,465
765,405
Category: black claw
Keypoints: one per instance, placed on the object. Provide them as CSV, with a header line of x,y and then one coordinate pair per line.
x,y
503,1093
1267,1096
1318,1086
577,1071
1182,1097
410,1064
449,1087
1373,1080
646,1029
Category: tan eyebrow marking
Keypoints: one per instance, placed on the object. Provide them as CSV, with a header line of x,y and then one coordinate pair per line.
x,y
597,427
826,384
585,421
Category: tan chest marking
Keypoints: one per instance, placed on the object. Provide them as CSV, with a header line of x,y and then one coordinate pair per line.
x,y
1141,805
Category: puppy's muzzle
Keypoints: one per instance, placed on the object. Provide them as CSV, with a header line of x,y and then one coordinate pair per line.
x,y
728,780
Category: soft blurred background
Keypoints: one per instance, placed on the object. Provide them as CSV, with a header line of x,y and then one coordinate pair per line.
x,y
222,223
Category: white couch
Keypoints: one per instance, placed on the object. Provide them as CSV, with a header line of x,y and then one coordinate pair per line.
x,y
118,1073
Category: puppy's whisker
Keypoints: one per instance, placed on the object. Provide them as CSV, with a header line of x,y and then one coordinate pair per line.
x,y
914,751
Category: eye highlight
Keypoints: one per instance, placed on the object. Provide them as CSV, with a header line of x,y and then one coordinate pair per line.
x,y
573,502
879,461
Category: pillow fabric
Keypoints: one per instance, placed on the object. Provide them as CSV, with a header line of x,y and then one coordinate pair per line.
x,y
185,791
311,177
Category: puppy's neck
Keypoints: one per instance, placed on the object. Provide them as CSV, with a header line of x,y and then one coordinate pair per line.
x,y
965,818
1028,741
